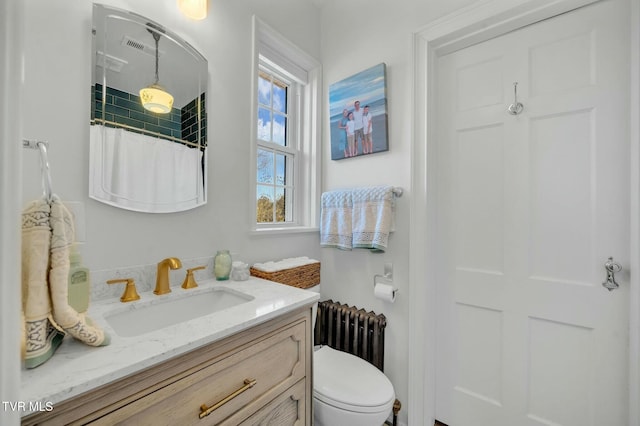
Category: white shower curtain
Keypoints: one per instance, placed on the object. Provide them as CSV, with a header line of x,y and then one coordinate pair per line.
x,y
144,173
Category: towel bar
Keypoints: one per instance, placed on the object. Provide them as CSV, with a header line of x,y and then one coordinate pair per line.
x,y
44,165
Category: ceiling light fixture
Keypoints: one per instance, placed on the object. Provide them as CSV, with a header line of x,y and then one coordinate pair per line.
x,y
194,9
153,97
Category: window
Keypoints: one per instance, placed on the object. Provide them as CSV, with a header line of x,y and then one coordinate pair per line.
x,y
285,155
276,149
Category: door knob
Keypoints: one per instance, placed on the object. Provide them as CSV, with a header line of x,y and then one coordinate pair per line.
x,y
611,267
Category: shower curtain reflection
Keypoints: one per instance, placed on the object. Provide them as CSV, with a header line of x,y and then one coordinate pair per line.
x,y
142,173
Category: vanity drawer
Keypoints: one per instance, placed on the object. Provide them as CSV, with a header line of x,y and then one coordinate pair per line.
x,y
288,409
276,362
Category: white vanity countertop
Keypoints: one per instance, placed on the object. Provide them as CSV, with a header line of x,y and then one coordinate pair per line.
x,y
76,368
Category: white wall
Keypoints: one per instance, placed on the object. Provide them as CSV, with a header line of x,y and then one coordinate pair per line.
x,y
57,109
356,35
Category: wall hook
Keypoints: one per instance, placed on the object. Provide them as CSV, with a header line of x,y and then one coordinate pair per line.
x,y
516,107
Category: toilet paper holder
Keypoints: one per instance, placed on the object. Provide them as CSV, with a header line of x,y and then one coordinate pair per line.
x,y
387,278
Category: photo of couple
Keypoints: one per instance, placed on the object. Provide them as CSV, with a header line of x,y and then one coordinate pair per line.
x,y
358,108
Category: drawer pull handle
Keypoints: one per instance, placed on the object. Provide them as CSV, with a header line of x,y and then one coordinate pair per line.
x,y
205,411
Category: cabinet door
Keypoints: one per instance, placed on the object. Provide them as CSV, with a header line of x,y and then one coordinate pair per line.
x,y
288,409
276,362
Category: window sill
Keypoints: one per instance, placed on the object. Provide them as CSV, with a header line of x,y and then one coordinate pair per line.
x,y
283,230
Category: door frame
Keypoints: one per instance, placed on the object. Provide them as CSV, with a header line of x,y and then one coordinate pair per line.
x,y
12,53
470,25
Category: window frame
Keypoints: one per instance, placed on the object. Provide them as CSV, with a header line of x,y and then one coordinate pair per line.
x,y
278,56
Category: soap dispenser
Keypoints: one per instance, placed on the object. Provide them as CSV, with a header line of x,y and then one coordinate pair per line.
x,y
79,283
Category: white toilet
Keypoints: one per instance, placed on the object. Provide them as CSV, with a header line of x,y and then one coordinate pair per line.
x,y
349,391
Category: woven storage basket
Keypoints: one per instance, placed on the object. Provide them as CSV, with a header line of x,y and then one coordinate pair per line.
x,y
304,276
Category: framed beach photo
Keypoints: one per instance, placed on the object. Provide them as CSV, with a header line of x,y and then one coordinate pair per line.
x,y
358,114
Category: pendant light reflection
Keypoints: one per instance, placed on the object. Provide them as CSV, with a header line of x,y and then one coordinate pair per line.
x,y
194,9
154,97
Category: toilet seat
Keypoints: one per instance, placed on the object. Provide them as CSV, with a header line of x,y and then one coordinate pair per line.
x,y
349,383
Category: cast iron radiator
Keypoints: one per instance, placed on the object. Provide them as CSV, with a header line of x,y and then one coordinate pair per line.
x,y
351,330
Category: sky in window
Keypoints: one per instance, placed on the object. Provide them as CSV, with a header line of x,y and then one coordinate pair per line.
x,y
268,121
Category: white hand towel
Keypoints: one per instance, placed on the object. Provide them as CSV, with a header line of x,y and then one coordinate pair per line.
x,y
62,236
41,337
288,263
372,217
336,219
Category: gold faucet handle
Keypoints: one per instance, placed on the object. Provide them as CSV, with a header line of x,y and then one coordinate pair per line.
x,y
130,293
189,281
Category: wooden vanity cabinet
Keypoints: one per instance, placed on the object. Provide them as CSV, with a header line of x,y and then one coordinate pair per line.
x,y
276,354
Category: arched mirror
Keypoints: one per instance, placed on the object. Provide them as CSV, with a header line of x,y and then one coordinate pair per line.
x,y
148,130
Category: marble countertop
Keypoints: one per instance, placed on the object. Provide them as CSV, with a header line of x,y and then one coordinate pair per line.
x,y
76,368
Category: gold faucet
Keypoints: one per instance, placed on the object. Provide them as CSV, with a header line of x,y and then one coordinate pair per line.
x,y
162,276
189,281
130,293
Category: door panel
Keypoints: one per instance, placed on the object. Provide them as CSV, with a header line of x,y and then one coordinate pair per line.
x,y
572,60
480,216
561,203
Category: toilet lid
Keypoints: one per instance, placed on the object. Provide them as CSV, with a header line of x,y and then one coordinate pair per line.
x,y
348,382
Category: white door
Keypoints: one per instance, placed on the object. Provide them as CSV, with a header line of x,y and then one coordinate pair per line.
x,y
530,207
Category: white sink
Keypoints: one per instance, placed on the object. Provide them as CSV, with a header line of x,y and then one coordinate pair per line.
x,y
155,315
